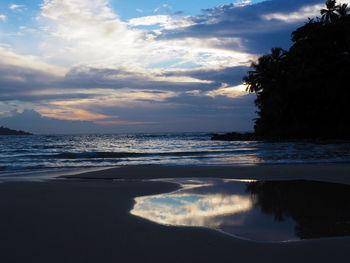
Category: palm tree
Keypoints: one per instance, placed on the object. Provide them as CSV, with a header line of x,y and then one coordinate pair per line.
x,y
299,91
255,78
305,31
266,67
277,54
329,14
343,10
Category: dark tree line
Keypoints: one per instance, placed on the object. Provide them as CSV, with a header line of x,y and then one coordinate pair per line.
x,y
305,92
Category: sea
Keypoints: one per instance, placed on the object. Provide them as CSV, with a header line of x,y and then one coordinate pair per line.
x,y
43,154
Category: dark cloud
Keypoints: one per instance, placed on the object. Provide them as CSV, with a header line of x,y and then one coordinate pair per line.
x,y
121,78
16,79
245,22
21,83
184,112
32,121
229,75
188,112
23,96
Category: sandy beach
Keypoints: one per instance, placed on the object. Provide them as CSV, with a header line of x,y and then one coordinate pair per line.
x,y
85,218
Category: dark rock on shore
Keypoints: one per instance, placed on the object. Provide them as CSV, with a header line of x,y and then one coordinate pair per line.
x,y
235,136
7,131
251,136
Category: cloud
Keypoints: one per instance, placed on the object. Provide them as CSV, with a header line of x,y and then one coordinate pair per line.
x,y
307,11
164,21
242,3
230,92
74,114
185,112
120,97
20,75
196,100
258,26
299,15
224,75
90,33
86,32
123,78
123,122
15,7
195,112
164,7
32,121
2,17
10,58
27,75
215,103
186,75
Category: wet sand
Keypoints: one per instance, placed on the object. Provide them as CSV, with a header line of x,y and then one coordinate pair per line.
x,y
85,218
337,173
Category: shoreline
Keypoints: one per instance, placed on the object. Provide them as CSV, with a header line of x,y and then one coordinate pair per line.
x,y
45,174
111,172
86,218
318,172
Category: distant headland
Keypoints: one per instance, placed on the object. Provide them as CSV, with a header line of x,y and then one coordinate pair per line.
x,y
7,131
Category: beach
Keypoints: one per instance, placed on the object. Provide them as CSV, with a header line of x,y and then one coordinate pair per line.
x,y
85,218
142,131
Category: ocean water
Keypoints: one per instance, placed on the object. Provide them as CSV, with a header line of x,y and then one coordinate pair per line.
x,y
38,153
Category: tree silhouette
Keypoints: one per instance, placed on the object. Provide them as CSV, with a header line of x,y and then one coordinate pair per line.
x,y
304,92
343,10
329,14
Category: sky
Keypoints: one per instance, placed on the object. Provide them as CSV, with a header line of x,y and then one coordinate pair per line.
x,y
104,66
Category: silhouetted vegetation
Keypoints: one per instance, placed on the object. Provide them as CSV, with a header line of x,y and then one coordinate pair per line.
x,y
319,209
305,92
7,131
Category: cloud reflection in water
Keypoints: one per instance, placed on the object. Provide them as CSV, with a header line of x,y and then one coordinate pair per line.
x,y
185,209
256,210
215,203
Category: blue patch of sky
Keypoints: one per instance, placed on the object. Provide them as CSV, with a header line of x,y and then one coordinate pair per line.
x,y
149,27
187,65
138,8
19,24
23,15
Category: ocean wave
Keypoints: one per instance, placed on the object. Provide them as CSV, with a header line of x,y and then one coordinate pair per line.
x,y
54,146
66,151
113,155
95,155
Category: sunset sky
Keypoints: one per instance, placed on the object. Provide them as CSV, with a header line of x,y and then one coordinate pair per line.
x,y
69,66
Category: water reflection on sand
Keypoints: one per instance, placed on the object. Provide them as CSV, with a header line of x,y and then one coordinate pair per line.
x,y
261,211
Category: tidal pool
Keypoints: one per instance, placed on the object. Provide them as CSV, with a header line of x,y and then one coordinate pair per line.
x,y
266,211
